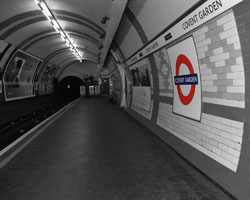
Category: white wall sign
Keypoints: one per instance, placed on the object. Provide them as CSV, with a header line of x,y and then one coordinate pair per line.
x,y
97,90
199,16
82,91
186,79
142,97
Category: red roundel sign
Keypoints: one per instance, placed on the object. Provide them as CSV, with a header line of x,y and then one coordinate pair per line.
x,y
185,71
182,59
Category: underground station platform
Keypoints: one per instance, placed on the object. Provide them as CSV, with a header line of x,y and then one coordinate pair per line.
x,y
94,150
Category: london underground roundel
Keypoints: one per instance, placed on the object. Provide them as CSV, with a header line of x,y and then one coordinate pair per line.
x,y
185,72
190,79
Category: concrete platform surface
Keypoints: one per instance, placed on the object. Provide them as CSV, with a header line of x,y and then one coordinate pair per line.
x,y
96,151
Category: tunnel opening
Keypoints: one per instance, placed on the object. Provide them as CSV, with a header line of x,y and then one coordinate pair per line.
x,y
68,89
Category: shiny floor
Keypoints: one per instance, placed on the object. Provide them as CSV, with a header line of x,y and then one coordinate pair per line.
x,y
96,151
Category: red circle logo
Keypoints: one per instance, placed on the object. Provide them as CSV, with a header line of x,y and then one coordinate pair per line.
x,y
182,59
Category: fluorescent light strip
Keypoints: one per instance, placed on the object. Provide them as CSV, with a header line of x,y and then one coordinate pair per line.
x,y
48,18
63,38
54,23
63,34
46,9
56,29
69,42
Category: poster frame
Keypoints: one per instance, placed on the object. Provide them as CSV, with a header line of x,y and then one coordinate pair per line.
x,y
39,60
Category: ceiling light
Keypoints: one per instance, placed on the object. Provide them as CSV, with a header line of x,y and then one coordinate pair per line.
x,y
54,23
46,16
63,38
45,9
63,34
56,29
51,18
70,39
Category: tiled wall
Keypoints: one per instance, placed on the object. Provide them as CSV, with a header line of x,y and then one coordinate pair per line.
x,y
221,64
217,137
223,84
218,145
164,73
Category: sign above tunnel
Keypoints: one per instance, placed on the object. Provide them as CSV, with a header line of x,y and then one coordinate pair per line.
x,y
186,79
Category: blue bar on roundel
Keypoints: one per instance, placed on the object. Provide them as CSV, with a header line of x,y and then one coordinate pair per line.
x,y
190,79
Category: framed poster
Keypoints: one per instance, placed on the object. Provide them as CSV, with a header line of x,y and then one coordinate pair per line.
x,y
141,76
18,76
45,79
142,97
186,79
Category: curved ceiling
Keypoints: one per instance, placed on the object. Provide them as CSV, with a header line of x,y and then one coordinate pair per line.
x,y
23,24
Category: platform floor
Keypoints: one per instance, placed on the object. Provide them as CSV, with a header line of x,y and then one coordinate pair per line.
x,y
96,151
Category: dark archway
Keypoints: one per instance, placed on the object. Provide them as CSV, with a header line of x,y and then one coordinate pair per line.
x,y
68,88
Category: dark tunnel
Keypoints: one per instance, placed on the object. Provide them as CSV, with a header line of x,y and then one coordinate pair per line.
x,y
68,89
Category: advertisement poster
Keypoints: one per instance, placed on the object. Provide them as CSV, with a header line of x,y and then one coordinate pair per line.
x,y
186,79
141,87
18,76
142,97
128,87
45,79
141,76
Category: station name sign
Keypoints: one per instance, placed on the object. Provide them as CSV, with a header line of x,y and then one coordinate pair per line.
x,y
191,79
202,14
199,16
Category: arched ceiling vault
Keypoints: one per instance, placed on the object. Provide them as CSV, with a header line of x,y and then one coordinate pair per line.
x,y
23,25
